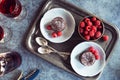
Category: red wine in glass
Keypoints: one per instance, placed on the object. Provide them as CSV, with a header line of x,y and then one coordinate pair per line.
x,y
10,8
9,61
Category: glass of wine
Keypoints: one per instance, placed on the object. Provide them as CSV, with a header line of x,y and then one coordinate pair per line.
x,y
9,61
5,34
12,9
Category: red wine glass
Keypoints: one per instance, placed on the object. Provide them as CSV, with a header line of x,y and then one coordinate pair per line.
x,y
9,61
12,9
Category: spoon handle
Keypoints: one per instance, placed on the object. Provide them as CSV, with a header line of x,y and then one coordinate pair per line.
x,y
59,52
64,55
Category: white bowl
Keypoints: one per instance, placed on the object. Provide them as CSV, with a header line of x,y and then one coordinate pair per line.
x,y
48,17
87,70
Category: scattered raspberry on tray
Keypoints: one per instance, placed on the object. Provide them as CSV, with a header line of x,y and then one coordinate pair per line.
x,y
105,37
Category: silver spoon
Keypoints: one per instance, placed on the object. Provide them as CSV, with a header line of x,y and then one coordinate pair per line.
x,y
45,49
41,41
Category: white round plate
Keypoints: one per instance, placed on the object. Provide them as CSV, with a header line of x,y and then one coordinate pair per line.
x,y
48,17
87,70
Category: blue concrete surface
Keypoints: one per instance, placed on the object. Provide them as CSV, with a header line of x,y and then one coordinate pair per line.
x,y
108,10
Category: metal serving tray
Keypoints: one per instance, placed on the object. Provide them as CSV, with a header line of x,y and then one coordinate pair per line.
x,y
78,14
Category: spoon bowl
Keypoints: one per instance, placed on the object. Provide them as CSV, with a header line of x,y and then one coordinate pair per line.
x,y
49,50
46,49
41,41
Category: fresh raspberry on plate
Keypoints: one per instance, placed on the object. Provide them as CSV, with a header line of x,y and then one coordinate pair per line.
x,y
97,57
49,27
96,53
59,33
54,34
105,37
91,49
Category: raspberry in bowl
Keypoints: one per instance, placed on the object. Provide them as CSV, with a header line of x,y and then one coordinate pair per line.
x,y
91,28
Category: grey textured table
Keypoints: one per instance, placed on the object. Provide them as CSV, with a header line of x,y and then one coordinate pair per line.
x,y
108,10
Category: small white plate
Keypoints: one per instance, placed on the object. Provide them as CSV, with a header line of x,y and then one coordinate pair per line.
x,y
87,70
49,16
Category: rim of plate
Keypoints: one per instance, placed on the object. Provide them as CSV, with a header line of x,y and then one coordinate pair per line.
x,y
69,34
103,53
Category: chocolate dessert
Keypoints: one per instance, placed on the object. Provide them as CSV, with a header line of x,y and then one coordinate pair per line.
x,y
87,58
58,24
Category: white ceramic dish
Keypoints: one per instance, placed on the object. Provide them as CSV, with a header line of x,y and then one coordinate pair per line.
x,y
47,18
87,70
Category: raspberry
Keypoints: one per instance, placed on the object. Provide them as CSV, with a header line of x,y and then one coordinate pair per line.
x,y
97,22
91,33
97,34
49,27
86,20
81,30
54,34
94,28
59,33
91,49
96,53
97,57
105,37
82,24
89,23
85,32
93,19
88,28
87,37
99,27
